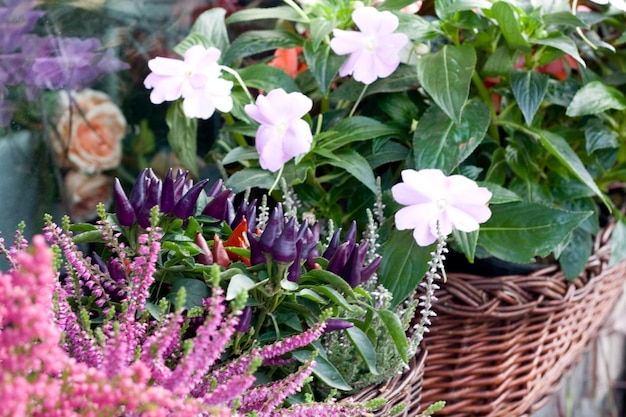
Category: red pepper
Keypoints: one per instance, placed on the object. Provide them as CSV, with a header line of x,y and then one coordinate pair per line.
x,y
238,240
220,256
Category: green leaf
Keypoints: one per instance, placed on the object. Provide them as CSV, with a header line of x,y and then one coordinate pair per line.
x,y
92,236
353,129
238,283
364,347
562,19
321,276
267,78
575,255
509,23
529,89
598,136
404,264
335,297
466,242
618,242
500,195
208,30
394,327
559,147
517,232
445,9
309,294
446,76
438,142
182,136
596,97
256,41
320,28
324,370
322,63
260,13
390,152
562,43
195,289
351,161
250,178
240,153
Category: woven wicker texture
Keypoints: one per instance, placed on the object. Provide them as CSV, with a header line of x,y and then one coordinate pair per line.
x,y
500,346
405,388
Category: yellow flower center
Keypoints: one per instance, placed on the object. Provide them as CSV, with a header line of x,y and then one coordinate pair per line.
x,y
370,44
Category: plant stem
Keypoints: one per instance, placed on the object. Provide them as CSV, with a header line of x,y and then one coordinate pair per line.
x,y
358,100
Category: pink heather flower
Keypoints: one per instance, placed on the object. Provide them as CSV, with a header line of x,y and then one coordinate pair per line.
x,y
196,79
431,198
282,134
374,51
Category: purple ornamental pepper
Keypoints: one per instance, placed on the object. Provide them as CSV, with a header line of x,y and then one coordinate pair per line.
x,y
284,248
123,208
186,206
167,194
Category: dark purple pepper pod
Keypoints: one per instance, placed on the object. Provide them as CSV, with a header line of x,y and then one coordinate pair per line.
x,y
361,250
351,272
100,262
245,319
116,271
179,184
218,206
302,230
167,194
256,256
186,206
273,229
284,249
152,199
332,245
339,259
295,269
123,209
251,217
229,216
138,193
215,188
368,271
241,212
351,233
337,324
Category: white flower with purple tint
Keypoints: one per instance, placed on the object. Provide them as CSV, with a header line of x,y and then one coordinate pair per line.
x,y
283,134
374,51
434,200
197,79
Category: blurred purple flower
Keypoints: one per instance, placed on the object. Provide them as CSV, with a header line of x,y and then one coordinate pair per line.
x,y
374,51
16,19
197,79
283,134
432,198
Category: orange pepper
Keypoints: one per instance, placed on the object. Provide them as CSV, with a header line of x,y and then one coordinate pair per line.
x,y
287,60
238,240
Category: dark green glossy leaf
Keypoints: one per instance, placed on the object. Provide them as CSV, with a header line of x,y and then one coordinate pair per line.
x,y
466,242
575,255
260,13
394,327
517,232
92,236
250,178
324,370
445,9
335,297
562,43
529,89
500,195
596,97
196,291
320,28
364,347
618,242
439,142
446,76
320,276
562,19
509,23
208,30
388,153
598,136
267,78
322,63
404,264
357,128
416,27
240,153
498,63
256,41
353,162
559,147
182,136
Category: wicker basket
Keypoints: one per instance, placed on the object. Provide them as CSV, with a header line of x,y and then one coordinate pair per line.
x,y
500,346
405,388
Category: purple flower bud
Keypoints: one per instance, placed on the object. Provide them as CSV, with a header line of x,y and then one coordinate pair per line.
x,y
284,248
152,198
273,229
332,245
339,259
186,206
218,206
167,194
368,271
123,209
244,320
295,269
337,324
138,193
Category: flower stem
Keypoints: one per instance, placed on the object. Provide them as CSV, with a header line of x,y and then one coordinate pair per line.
x,y
358,100
239,80
280,174
298,10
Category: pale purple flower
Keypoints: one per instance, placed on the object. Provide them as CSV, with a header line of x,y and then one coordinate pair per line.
x,y
433,200
374,51
282,134
197,79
